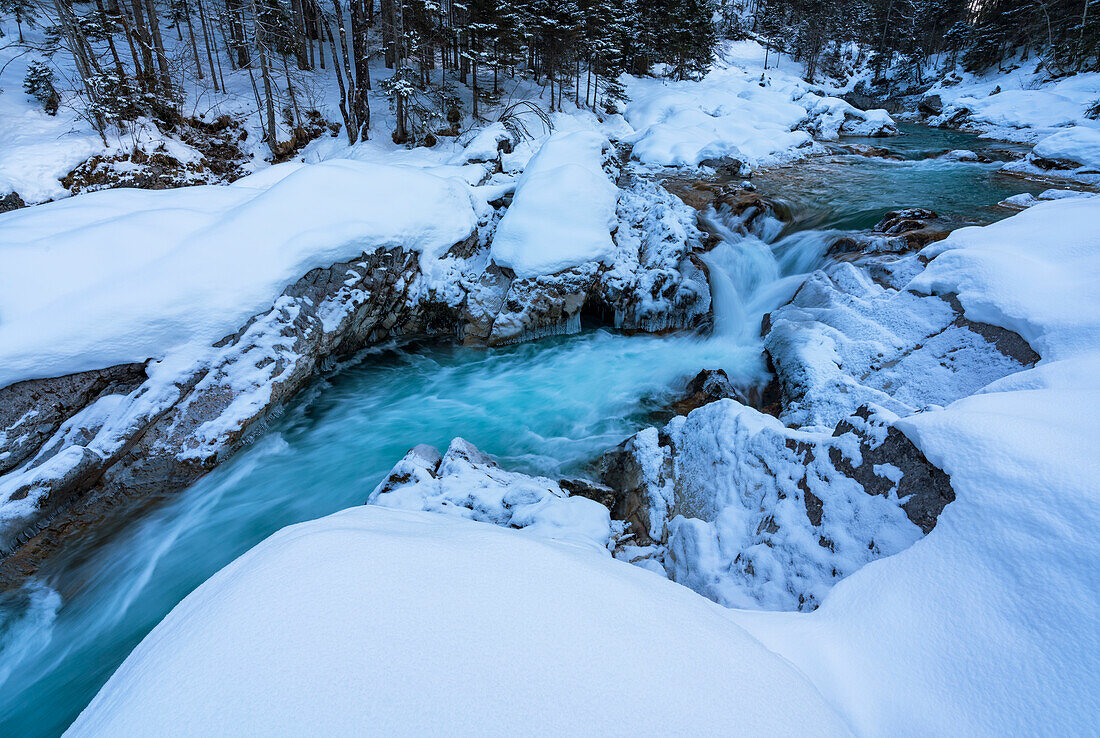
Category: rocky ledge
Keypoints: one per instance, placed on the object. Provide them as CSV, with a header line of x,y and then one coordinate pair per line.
x,y
82,449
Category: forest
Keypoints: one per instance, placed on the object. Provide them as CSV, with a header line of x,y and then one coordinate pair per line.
x,y
117,60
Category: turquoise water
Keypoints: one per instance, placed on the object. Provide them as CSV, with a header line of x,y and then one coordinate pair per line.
x,y
850,192
549,407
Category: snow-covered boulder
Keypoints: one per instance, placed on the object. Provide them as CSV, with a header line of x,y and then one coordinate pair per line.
x,y
961,155
855,335
466,483
563,210
1072,154
828,118
400,623
753,514
1025,200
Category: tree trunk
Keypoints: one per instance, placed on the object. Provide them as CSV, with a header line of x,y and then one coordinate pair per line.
x,y
158,44
194,46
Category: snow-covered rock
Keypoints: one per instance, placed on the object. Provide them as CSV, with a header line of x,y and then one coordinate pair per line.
x,y
753,514
828,118
846,340
731,114
1072,154
123,276
1025,199
387,621
466,483
988,625
563,210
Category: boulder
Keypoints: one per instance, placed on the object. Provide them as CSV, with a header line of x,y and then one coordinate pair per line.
x,y
709,385
11,201
930,105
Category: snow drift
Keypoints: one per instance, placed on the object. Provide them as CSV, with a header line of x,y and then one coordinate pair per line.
x,y
398,623
563,210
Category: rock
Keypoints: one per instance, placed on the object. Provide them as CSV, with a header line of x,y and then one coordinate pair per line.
x,y
966,155
725,166
853,336
32,411
925,488
877,152
11,201
930,105
890,103
709,385
899,231
753,514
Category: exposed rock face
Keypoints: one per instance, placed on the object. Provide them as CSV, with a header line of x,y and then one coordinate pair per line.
x,y
11,201
872,152
709,385
930,105
131,433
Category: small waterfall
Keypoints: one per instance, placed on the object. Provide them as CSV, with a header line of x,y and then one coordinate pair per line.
x,y
754,272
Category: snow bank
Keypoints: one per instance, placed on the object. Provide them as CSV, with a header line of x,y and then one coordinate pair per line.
x,y
397,623
725,114
733,113
125,275
990,624
1078,145
1035,274
1020,105
563,209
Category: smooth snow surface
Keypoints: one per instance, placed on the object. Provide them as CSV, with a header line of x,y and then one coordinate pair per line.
x,y
1079,145
563,209
376,621
127,275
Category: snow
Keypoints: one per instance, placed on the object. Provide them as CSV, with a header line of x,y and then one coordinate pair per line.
x,y
1021,104
563,209
1035,273
1026,200
1079,145
734,112
385,621
125,275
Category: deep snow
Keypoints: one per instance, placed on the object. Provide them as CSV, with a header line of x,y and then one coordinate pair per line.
x,y
402,623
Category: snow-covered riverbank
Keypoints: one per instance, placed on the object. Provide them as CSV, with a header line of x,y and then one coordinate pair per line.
x,y
826,507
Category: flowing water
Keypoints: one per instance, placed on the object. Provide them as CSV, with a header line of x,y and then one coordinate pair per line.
x,y
549,407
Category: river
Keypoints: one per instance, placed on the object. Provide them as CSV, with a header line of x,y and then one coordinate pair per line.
x,y
549,407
